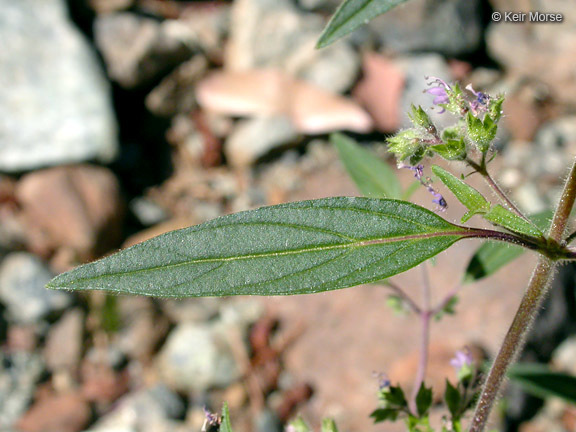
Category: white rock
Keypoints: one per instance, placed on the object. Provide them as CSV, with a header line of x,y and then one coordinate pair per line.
x,y
55,104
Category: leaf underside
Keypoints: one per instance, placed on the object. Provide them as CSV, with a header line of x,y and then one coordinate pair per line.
x,y
352,14
294,248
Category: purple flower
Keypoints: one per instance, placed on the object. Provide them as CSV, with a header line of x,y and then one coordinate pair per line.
x,y
463,358
427,183
440,91
438,199
383,381
480,104
210,420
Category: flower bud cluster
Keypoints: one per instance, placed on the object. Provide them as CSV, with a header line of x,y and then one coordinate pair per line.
x,y
477,116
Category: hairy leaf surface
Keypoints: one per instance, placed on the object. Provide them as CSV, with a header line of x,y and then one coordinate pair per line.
x,y
350,15
466,194
374,178
295,248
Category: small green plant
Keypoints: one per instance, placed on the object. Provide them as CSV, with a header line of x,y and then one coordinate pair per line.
x,y
333,243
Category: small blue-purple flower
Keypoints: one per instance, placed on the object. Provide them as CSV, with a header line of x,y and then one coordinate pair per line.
x,y
463,363
440,91
211,420
462,358
383,381
481,101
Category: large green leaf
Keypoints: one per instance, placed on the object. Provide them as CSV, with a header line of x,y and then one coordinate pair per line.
x,y
295,248
350,15
374,178
540,381
466,194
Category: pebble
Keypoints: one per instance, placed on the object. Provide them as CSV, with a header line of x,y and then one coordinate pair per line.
x,y
197,357
57,413
137,49
71,207
452,28
63,348
22,280
275,34
513,45
145,410
254,138
55,105
19,373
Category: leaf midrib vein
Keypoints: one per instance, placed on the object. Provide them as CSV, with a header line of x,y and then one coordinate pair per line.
x,y
362,243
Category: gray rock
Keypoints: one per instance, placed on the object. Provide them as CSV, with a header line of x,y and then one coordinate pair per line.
x,y
416,69
515,46
55,105
22,289
450,27
274,34
147,211
138,49
197,357
253,138
334,68
143,411
555,140
19,373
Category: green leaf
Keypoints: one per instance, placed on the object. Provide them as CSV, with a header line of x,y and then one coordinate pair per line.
x,y
226,425
329,425
492,256
299,425
467,195
419,118
350,15
296,248
423,400
498,215
453,400
392,397
489,258
383,414
540,381
373,177
481,133
451,150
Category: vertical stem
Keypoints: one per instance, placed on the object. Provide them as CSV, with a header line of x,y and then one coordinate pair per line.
x,y
560,219
513,342
425,316
533,297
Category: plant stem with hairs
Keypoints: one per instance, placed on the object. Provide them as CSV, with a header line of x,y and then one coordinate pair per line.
x,y
527,311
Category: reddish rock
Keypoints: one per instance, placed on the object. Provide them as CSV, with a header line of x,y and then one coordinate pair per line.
x,y
380,91
267,92
64,342
102,384
72,207
56,413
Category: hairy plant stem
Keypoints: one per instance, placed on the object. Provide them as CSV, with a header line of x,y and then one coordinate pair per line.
x,y
529,306
425,316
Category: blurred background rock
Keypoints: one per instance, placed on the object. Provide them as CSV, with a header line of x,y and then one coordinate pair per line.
x,y
123,119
